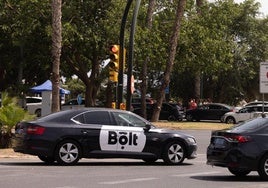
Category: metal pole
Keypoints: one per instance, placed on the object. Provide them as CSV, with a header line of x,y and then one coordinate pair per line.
x,y
130,57
121,56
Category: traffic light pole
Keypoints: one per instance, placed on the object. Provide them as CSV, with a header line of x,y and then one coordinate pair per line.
x,y
130,55
121,56
131,52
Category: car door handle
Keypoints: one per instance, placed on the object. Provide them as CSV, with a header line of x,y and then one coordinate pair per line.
x,y
85,131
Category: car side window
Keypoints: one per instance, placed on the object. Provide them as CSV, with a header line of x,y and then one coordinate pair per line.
x,y
214,107
124,119
97,117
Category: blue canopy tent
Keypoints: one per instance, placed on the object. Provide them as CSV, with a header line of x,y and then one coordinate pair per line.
x,y
47,86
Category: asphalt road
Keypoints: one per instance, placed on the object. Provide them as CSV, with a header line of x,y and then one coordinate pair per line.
x,y
116,173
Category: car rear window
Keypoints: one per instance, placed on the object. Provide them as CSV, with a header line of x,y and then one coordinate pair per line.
x,y
251,124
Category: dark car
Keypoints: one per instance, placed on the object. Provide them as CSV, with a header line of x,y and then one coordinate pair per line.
x,y
242,148
170,112
136,102
211,111
70,135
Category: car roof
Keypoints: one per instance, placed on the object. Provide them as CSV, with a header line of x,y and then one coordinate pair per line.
x,y
219,104
68,114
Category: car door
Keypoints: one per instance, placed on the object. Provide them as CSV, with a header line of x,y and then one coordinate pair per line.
x,y
127,136
245,114
91,124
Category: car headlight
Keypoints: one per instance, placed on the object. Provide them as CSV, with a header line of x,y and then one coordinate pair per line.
x,y
191,140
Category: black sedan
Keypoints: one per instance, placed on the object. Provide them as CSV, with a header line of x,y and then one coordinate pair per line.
x,y
210,111
169,111
68,136
242,148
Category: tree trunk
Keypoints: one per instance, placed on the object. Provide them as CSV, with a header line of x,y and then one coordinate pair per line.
x,y
197,91
172,52
56,53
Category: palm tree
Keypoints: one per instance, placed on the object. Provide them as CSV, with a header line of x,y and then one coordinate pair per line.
x,y
56,53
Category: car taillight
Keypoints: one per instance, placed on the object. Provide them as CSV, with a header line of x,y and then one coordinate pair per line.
x,y
239,138
35,130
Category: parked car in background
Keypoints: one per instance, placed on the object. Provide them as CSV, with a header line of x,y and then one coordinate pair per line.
x,y
168,112
210,111
67,136
257,103
245,113
34,105
242,148
136,102
73,104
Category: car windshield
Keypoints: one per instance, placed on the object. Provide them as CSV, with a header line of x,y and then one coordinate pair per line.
x,y
251,124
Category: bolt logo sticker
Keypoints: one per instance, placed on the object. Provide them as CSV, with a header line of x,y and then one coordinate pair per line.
x,y
129,139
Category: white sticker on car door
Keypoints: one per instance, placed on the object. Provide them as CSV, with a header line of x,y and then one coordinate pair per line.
x,y
119,138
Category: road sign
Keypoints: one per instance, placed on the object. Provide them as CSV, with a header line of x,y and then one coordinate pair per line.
x,y
264,77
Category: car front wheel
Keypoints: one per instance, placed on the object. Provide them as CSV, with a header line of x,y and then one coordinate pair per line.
x,y
189,117
230,120
68,152
174,153
263,168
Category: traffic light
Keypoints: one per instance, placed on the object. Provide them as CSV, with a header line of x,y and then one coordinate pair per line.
x,y
114,63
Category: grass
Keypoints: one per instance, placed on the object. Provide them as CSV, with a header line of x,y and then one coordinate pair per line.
x,y
206,125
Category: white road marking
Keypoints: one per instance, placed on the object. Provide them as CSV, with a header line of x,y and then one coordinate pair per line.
x,y
127,181
196,174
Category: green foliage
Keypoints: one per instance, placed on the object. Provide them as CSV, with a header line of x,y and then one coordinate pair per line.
x,y
11,113
226,43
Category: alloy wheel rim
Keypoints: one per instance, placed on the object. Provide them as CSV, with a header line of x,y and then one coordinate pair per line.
x,y
175,153
266,167
68,152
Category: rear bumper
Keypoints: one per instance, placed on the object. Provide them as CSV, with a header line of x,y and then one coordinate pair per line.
x,y
32,147
232,158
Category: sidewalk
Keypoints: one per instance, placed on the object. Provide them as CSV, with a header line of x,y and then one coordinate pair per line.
x,y
9,153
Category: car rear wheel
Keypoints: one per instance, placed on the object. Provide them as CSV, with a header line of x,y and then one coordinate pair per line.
x,y
263,168
230,120
171,118
68,152
239,172
189,117
38,113
174,153
46,159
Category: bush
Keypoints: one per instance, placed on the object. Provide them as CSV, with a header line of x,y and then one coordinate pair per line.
x,y
10,115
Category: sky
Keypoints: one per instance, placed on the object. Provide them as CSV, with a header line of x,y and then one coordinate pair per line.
x,y
264,5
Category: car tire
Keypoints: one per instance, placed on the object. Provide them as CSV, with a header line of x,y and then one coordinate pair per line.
x,y
263,167
239,172
68,152
46,159
38,113
189,117
174,153
230,120
171,118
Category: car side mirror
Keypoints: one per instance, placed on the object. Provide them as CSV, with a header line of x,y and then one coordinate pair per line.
x,y
147,127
